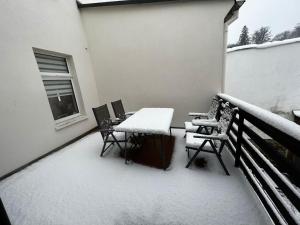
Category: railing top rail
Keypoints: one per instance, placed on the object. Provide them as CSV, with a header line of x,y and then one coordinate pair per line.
x,y
284,125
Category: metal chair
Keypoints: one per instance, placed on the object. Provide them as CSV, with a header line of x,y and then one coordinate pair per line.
x,y
4,220
106,129
210,116
119,110
208,143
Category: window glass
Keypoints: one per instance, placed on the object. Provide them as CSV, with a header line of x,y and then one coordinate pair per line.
x,y
61,98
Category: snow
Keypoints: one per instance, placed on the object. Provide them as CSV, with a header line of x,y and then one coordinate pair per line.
x,y
148,120
209,123
118,135
264,45
268,117
198,114
75,186
218,136
195,142
189,127
296,113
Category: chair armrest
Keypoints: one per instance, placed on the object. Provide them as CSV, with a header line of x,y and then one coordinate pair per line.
x,y
206,123
129,113
116,122
212,137
197,114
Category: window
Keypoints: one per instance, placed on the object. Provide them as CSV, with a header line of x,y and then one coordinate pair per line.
x,y
59,85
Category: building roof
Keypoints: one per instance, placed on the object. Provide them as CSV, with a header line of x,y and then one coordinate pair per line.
x,y
93,3
116,2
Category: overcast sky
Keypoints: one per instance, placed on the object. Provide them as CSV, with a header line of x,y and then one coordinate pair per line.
x,y
279,15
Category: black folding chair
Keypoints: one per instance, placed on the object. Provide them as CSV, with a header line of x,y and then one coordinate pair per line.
x,y
4,220
107,131
119,110
199,142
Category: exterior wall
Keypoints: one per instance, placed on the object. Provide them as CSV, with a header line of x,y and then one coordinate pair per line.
x,y
268,76
158,55
27,127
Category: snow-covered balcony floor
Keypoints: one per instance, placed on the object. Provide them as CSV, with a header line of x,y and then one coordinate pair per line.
x,y
76,186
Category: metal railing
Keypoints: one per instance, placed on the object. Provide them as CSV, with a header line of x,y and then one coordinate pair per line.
x,y
247,143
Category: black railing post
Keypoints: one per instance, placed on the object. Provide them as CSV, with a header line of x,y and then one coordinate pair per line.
x,y
239,139
3,215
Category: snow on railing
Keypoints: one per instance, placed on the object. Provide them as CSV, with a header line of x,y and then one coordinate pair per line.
x,y
264,45
282,124
282,197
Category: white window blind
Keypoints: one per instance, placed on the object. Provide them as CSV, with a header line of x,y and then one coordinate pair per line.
x,y
58,88
52,64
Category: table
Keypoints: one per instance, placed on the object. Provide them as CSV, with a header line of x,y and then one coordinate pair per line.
x,y
156,121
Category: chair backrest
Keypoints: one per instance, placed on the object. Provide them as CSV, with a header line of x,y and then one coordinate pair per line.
x,y
103,119
4,220
118,109
226,118
214,108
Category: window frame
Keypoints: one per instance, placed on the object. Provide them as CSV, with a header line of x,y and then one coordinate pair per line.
x,y
71,76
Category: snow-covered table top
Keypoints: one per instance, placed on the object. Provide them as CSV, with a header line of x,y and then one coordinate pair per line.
x,y
149,121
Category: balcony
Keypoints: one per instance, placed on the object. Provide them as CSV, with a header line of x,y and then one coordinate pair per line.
x,y
62,59
93,190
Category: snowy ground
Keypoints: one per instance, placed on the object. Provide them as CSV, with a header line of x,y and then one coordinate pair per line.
x,y
76,186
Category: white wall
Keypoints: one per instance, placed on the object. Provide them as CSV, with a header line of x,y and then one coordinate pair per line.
x,y
27,128
267,75
158,55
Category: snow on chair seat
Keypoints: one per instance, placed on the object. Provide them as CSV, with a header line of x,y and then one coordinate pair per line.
x,y
193,142
120,136
189,127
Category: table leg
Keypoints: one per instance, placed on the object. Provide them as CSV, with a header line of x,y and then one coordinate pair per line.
x,y
162,152
125,148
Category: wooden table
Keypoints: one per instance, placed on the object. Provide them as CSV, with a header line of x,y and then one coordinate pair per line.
x,y
155,121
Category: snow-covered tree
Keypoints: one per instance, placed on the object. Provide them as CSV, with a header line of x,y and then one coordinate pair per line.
x,y
296,32
261,35
282,36
244,37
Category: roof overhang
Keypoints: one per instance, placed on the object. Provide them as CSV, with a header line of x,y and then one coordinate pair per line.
x,y
234,10
231,15
235,7
118,2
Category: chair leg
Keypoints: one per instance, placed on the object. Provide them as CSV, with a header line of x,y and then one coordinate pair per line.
x,y
195,155
219,156
221,147
188,152
104,144
116,141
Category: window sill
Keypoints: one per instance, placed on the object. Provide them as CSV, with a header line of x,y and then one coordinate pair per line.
x,y
69,122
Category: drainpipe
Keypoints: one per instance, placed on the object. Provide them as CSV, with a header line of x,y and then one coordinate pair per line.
x,y
231,16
